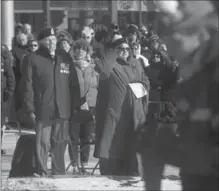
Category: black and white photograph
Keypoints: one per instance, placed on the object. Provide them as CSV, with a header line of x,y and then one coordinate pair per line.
x,y
109,95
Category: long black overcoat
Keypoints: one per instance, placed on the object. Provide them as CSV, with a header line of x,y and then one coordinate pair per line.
x,y
122,112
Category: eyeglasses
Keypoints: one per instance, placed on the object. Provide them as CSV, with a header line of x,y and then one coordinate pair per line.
x,y
34,45
135,48
86,37
124,49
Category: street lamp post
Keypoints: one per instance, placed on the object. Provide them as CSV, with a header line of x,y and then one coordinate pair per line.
x,y
113,11
7,22
46,11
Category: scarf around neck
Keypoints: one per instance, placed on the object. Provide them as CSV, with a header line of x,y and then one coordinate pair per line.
x,y
82,64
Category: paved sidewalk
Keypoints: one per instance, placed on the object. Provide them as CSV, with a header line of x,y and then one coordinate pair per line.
x,y
70,182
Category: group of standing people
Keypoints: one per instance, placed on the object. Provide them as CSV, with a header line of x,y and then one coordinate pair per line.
x,y
80,89
119,89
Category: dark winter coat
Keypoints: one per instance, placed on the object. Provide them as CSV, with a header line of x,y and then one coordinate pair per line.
x,y
7,85
88,80
47,85
18,52
120,116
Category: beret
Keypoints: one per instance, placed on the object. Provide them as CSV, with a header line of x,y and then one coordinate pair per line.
x,y
45,33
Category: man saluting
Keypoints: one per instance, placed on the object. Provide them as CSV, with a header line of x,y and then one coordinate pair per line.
x,y
47,99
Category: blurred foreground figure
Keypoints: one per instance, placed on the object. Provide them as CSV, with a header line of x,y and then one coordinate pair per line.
x,y
195,34
199,115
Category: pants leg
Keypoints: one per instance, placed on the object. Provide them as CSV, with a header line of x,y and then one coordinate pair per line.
x,y
85,136
43,136
152,164
59,140
74,137
131,165
112,167
4,112
198,182
153,168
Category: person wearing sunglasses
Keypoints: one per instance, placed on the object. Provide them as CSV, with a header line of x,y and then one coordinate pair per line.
x,y
115,138
33,45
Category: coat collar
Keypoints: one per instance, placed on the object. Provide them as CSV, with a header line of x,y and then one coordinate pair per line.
x,y
45,53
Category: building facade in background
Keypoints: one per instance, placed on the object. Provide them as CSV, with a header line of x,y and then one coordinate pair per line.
x,y
72,14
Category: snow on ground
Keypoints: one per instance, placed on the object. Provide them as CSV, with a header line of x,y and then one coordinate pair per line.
x,y
69,182
83,183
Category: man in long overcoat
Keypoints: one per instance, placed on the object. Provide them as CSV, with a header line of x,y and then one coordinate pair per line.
x,y
48,93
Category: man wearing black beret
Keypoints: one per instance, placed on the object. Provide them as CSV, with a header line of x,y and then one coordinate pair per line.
x,y
47,99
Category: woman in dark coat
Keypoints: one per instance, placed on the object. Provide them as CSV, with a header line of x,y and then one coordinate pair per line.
x,y
122,115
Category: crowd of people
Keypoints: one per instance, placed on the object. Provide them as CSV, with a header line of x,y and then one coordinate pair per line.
x,y
116,88
57,79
